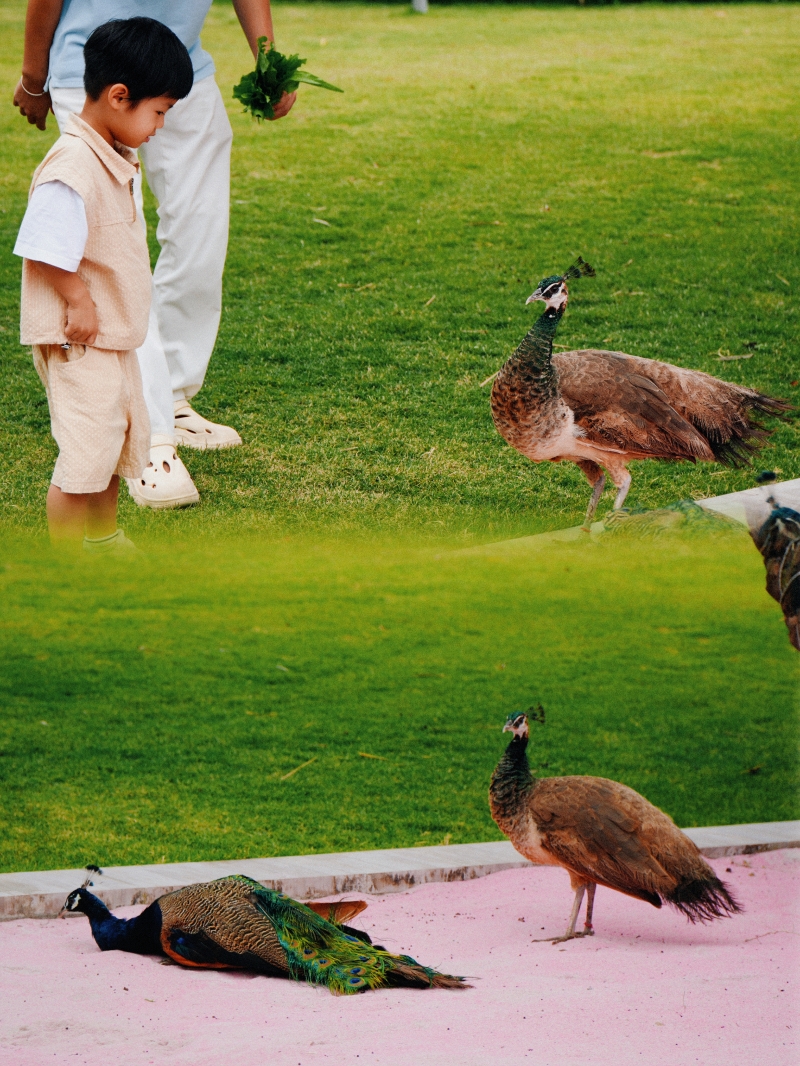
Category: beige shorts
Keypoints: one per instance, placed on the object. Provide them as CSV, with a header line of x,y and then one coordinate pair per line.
x,y
98,415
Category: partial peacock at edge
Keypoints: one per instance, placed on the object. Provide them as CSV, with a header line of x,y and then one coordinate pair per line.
x,y
778,540
235,923
602,833
602,409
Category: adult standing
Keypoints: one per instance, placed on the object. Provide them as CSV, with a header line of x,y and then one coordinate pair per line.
x,y
188,170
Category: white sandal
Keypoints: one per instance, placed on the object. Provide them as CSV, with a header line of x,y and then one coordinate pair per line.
x,y
165,481
195,431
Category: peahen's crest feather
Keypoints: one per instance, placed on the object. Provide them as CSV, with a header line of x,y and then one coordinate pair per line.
x,y
579,269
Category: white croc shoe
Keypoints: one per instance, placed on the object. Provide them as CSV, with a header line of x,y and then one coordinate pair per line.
x,y
165,481
194,431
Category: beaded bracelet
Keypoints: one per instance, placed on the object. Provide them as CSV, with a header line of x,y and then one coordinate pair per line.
x,y
22,83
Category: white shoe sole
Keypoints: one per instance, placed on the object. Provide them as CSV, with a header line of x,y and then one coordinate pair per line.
x,y
162,505
185,500
184,438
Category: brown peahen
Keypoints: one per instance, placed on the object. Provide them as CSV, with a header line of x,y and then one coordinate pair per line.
x,y
602,409
602,833
235,923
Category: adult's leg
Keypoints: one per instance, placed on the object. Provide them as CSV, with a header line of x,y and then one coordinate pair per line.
x,y
188,168
66,102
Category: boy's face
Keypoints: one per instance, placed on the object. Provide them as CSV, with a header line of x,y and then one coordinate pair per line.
x,y
134,124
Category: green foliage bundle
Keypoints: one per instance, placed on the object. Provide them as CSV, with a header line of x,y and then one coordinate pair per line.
x,y
275,74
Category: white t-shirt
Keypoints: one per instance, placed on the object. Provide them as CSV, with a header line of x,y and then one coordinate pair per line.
x,y
54,229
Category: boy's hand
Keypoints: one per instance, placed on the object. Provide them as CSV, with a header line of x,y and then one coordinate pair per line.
x,y
82,322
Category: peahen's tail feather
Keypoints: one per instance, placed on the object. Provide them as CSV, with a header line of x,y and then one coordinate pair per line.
x,y
702,900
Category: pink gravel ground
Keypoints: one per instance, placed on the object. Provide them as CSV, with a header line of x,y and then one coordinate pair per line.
x,y
648,989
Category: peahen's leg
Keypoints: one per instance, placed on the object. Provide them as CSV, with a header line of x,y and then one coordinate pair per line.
x,y
623,484
597,480
588,930
573,918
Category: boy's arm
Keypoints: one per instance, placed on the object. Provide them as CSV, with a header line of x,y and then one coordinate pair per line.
x,y
41,20
255,18
81,312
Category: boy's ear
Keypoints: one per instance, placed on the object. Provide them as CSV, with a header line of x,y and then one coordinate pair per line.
x,y
117,96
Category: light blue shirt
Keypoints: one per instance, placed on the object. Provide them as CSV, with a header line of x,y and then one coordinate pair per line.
x,y
79,17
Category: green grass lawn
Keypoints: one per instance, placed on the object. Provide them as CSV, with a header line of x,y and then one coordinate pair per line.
x,y
312,606
474,151
147,720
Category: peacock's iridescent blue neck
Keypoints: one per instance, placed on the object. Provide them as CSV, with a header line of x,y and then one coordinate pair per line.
x,y
140,934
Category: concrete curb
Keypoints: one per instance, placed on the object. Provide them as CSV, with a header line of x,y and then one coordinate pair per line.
x,y
749,507
41,895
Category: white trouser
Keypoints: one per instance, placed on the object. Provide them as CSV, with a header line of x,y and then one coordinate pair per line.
x,y
188,169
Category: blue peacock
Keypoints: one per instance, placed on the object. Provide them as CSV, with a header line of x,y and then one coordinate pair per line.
x,y
236,923
778,540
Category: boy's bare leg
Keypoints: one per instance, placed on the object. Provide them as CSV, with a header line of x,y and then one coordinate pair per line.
x,y
101,511
73,515
66,514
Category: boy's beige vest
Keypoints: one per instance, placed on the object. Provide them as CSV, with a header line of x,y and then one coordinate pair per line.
x,y
115,264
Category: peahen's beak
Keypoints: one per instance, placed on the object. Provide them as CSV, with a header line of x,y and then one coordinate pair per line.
x,y
508,728
534,296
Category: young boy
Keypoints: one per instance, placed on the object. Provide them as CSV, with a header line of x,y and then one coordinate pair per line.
x,y
86,276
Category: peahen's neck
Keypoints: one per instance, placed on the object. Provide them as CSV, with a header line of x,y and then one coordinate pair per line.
x,y
140,934
535,353
512,781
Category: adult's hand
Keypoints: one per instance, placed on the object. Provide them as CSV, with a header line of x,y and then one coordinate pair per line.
x,y
255,18
41,20
34,107
284,105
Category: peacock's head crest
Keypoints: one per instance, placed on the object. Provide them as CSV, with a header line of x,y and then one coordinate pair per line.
x,y
553,291
517,721
78,900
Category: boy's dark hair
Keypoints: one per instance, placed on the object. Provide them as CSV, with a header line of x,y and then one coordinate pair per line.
x,y
143,55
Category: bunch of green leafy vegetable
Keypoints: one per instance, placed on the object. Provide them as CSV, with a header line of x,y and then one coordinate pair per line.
x,y
275,74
